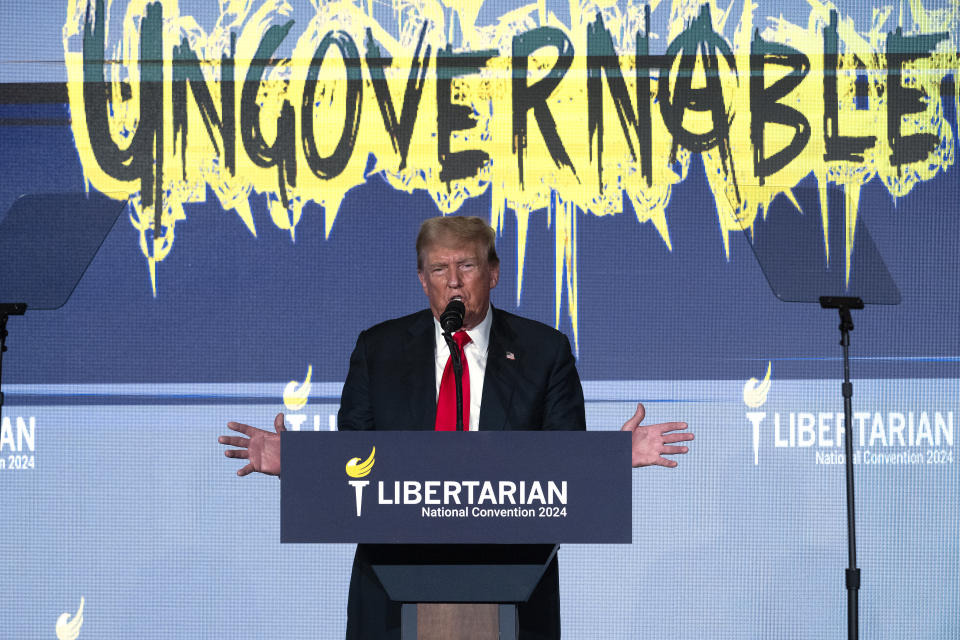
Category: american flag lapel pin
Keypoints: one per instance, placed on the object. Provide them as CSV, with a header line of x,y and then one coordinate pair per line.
x,y
510,356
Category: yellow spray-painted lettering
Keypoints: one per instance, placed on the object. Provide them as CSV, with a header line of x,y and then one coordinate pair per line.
x,y
569,116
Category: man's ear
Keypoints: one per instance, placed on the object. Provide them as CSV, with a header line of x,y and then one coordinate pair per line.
x,y
494,275
423,281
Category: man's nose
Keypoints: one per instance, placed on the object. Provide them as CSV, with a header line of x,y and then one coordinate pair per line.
x,y
453,279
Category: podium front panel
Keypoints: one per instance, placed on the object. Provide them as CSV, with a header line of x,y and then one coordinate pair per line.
x,y
493,487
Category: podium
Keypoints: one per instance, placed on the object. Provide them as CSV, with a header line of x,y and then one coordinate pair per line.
x,y
458,527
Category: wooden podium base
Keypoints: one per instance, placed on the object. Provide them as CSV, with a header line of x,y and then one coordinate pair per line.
x,y
458,621
461,621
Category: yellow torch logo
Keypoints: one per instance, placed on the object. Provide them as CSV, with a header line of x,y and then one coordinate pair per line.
x,y
357,469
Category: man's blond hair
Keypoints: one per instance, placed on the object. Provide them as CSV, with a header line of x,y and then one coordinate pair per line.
x,y
455,231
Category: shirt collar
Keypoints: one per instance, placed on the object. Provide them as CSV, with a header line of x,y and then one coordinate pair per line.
x,y
479,335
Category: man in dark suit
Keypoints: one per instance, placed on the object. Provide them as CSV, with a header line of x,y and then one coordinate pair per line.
x,y
519,374
524,375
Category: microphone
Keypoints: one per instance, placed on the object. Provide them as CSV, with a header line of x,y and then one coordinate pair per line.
x,y
452,317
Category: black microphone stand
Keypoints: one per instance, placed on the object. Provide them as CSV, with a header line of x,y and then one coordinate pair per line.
x,y
457,375
843,306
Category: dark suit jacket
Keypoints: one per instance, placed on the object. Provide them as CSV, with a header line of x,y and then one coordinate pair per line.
x,y
531,382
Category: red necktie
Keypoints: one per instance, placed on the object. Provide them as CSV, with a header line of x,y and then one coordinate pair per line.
x,y
447,400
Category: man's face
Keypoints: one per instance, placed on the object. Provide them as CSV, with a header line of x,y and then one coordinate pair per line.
x,y
451,271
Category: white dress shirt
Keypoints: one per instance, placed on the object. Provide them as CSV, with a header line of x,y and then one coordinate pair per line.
x,y
476,356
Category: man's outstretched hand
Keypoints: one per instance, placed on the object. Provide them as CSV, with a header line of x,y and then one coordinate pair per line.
x,y
261,448
653,441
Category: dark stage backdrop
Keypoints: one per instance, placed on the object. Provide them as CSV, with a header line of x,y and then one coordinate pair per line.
x,y
276,160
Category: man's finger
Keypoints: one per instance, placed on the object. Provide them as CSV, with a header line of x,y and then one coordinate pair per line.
x,y
237,453
242,428
635,419
278,423
245,470
677,437
663,427
234,441
672,450
663,462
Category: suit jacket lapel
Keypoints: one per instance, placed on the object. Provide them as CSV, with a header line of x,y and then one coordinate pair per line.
x,y
501,376
418,376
